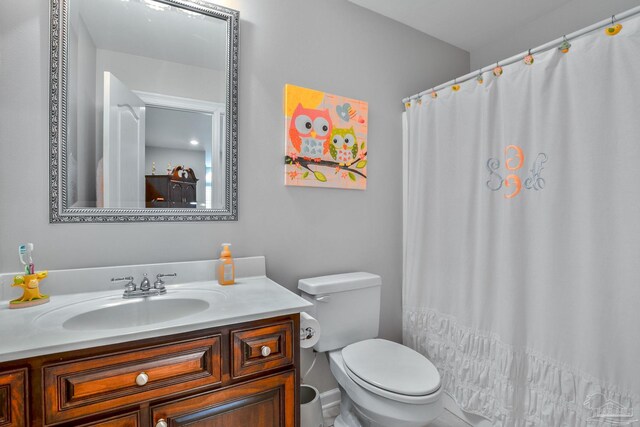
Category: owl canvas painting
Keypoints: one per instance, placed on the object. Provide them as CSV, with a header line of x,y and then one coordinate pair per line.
x,y
326,140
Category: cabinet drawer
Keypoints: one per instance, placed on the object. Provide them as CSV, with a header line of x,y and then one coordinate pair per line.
x,y
89,386
13,401
259,349
265,402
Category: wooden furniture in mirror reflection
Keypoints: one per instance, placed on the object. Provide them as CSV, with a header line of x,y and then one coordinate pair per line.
x,y
175,190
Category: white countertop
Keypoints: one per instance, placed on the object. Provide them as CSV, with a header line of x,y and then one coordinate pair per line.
x,y
37,331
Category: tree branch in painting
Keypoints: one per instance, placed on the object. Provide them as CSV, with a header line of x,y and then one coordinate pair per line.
x,y
351,168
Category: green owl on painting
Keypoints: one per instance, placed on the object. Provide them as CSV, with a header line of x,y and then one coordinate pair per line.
x,y
343,145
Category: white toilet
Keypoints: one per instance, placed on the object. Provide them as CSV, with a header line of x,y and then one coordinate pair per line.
x,y
382,383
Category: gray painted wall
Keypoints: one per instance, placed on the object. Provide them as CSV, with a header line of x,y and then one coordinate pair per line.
x,y
329,45
568,18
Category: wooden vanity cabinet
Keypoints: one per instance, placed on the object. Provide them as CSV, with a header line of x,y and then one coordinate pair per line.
x,y
13,398
233,376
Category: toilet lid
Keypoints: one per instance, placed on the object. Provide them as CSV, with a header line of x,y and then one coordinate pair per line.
x,y
392,367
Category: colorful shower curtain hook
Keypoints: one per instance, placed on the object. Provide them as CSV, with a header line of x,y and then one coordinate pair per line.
x,y
614,28
528,59
456,86
565,46
497,71
480,79
434,94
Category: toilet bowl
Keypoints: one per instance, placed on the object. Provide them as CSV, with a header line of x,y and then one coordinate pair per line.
x,y
382,383
370,405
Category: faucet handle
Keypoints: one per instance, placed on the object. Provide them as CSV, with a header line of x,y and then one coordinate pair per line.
x,y
159,283
129,286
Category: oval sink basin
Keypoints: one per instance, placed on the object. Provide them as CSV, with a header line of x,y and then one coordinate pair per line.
x,y
135,312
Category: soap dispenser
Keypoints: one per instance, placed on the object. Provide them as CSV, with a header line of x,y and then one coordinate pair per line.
x,y
226,267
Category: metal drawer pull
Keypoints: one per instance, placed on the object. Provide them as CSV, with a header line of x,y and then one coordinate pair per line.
x,y
142,379
265,351
161,423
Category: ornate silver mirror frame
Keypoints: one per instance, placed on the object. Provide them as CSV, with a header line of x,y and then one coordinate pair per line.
x,y
59,210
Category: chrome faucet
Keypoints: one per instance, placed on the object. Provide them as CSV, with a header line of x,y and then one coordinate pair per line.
x,y
145,289
145,285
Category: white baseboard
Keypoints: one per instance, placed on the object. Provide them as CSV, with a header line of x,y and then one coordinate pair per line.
x,y
471,419
330,401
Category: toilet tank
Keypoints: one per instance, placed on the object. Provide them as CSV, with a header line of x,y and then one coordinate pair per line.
x,y
346,305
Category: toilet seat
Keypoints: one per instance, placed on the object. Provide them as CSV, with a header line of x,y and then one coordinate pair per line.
x,y
391,370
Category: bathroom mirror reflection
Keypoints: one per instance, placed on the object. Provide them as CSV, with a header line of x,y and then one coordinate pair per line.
x,y
150,106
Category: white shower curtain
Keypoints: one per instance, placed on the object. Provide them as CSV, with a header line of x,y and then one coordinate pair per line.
x,y
522,252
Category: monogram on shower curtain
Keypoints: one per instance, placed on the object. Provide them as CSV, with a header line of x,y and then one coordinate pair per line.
x,y
522,253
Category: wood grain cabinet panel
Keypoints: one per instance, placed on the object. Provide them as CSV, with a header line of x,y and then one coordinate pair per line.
x,y
13,398
93,385
266,402
260,349
126,420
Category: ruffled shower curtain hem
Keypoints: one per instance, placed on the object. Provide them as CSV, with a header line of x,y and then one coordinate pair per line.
x,y
515,387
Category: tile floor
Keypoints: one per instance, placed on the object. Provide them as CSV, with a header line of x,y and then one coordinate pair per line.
x,y
447,419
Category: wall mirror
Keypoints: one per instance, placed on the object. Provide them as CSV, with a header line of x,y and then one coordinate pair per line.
x,y
143,108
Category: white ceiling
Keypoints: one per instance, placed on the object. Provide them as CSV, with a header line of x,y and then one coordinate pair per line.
x,y
169,128
155,30
467,24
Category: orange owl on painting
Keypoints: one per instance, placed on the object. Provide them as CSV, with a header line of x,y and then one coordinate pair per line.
x,y
309,131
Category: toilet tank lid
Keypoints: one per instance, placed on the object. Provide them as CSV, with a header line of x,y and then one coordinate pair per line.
x,y
338,283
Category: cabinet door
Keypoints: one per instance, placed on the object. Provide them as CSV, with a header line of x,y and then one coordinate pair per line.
x,y
267,402
13,402
127,420
175,195
189,194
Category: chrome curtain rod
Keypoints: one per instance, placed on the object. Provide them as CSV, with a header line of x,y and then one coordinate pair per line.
x,y
545,47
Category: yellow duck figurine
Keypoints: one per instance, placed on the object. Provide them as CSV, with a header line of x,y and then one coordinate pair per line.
x,y
30,283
